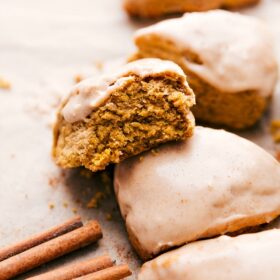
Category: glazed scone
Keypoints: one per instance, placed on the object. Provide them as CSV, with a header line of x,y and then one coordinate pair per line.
x,y
108,119
246,257
228,58
157,8
212,183
235,4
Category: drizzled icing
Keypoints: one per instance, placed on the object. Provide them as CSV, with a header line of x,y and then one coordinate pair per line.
x,y
246,257
91,93
215,178
236,51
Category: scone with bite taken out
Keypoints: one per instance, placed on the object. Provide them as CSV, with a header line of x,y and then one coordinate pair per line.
x,y
113,117
157,8
229,60
246,257
210,184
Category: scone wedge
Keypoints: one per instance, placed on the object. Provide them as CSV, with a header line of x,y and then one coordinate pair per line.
x,y
210,184
158,8
136,108
229,60
246,257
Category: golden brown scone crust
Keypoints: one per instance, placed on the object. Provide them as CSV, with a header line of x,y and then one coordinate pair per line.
x,y
157,8
236,111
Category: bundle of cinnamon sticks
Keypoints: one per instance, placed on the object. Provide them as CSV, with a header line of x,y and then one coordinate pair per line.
x,y
56,242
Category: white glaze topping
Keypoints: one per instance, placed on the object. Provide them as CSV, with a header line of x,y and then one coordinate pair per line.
x,y
236,51
91,93
210,180
246,257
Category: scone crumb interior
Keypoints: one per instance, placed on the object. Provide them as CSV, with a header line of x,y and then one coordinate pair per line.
x,y
138,116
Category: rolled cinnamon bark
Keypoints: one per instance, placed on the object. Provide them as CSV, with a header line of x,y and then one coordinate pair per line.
x,y
40,238
76,270
112,273
50,250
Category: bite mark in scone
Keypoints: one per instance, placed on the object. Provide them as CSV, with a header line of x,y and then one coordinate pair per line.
x,y
212,183
104,121
228,58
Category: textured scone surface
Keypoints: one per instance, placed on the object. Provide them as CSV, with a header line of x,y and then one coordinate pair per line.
x,y
138,114
246,257
212,183
228,58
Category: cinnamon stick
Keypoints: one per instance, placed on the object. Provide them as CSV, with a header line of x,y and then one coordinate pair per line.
x,y
40,238
77,269
112,273
50,250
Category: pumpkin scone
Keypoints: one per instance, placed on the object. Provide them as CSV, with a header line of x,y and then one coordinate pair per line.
x,y
228,58
236,4
157,8
246,257
108,119
212,183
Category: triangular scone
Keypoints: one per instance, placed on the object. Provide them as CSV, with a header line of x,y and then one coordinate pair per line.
x,y
157,8
105,120
229,60
246,257
213,183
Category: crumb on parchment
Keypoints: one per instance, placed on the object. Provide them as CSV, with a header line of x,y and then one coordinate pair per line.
x,y
107,182
275,130
109,216
85,173
155,152
96,199
51,205
99,65
53,181
4,84
78,78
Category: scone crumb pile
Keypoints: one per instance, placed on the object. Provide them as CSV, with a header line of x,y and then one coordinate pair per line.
x,y
96,200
